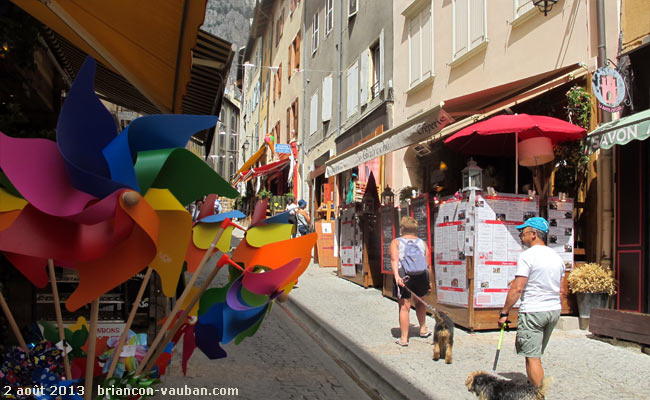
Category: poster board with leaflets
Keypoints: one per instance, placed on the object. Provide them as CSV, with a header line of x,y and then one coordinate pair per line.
x,y
351,253
450,266
387,217
497,244
561,230
325,245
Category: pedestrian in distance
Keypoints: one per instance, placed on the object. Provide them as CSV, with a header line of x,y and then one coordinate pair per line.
x,y
537,283
291,208
302,219
409,256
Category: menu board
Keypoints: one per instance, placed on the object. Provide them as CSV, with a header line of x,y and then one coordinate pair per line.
x,y
387,216
420,211
351,251
449,252
497,244
561,230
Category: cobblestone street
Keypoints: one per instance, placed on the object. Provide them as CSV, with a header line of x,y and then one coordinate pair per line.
x,y
282,361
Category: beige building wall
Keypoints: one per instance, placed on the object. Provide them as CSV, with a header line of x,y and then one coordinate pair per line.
x,y
253,99
515,49
635,21
290,81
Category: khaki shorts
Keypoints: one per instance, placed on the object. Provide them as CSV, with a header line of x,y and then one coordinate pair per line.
x,y
533,332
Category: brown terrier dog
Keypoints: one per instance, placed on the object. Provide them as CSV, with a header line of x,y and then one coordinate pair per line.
x,y
443,337
489,387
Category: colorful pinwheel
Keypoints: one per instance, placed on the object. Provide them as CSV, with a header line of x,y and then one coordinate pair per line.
x,y
65,200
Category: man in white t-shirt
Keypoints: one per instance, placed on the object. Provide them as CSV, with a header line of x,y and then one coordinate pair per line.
x,y
537,282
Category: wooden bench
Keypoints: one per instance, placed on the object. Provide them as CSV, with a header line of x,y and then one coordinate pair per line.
x,y
632,326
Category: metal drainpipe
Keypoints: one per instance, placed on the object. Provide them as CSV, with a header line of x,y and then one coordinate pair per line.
x,y
605,183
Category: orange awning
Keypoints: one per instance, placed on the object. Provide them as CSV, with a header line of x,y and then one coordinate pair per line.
x,y
149,42
248,164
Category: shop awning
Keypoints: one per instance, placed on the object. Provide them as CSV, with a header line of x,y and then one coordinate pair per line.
x,y
149,43
621,131
406,134
452,115
265,170
251,161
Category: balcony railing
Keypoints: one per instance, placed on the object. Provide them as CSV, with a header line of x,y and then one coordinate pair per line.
x,y
375,90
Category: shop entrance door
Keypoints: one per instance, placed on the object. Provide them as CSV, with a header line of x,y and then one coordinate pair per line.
x,y
631,226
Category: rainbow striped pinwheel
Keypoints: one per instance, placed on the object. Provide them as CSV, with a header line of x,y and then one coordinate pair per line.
x,y
65,200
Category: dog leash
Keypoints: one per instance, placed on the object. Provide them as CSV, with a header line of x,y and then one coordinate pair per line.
x,y
406,279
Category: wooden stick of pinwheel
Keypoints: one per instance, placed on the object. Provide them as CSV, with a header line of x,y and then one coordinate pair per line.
x,y
59,318
92,343
129,322
12,323
179,302
183,317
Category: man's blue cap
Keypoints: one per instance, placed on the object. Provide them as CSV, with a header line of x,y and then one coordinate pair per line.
x,y
538,223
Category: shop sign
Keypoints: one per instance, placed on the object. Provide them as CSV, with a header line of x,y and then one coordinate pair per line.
x,y
390,141
282,148
609,87
621,131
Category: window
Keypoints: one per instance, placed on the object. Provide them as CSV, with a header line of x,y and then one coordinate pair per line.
x,y
329,16
233,142
469,26
313,114
353,88
522,6
353,7
420,43
233,123
279,27
314,34
327,98
231,167
375,54
293,134
293,6
289,121
220,165
277,78
278,132
294,56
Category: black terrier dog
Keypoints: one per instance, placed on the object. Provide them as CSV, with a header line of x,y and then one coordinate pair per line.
x,y
489,387
443,337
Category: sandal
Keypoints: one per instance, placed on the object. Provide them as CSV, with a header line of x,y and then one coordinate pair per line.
x,y
426,334
399,342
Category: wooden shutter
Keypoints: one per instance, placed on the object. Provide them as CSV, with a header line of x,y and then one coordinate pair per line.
x,y
477,23
294,109
414,51
279,81
289,62
381,60
327,98
289,124
363,77
426,42
296,49
460,27
522,6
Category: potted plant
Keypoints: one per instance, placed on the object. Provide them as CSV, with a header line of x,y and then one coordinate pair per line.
x,y
593,284
264,194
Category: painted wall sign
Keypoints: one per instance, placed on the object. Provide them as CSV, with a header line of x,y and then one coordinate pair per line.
x,y
282,148
609,87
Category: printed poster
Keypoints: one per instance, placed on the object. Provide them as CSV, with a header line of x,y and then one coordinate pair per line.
x,y
351,244
561,229
449,252
497,244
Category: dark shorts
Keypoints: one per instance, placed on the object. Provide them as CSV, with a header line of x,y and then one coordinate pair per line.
x,y
419,284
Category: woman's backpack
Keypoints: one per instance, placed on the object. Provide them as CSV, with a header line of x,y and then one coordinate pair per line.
x,y
413,261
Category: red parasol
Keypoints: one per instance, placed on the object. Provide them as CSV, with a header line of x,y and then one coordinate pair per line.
x,y
496,136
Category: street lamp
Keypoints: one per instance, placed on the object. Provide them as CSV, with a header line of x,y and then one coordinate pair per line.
x,y
244,146
544,6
